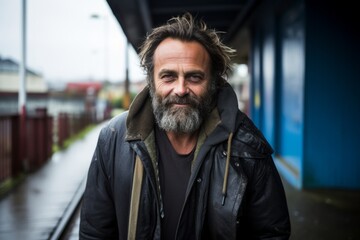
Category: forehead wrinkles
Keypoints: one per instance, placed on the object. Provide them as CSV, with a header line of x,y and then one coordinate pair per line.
x,y
173,51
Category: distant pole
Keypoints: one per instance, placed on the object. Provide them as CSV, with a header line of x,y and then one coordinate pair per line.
x,y
22,83
22,92
127,99
106,42
106,48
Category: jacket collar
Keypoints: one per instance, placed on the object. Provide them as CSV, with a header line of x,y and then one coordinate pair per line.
x,y
140,121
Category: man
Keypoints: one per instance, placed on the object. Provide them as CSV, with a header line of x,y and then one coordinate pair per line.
x,y
183,162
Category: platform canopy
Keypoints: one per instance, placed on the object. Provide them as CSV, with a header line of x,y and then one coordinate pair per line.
x,y
138,17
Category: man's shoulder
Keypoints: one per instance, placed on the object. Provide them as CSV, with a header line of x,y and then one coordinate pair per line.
x,y
250,140
115,125
118,120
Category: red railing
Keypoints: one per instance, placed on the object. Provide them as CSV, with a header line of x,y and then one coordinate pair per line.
x,y
70,124
6,147
39,139
16,157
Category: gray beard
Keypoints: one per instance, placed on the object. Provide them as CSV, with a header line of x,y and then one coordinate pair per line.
x,y
176,119
181,119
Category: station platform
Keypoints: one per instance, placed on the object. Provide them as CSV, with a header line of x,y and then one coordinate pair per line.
x,y
35,209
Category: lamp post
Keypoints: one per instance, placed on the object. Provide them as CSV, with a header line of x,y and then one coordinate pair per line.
x,y
106,39
22,67
22,95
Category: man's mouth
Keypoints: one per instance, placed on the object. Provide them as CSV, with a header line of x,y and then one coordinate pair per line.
x,y
180,104
181,101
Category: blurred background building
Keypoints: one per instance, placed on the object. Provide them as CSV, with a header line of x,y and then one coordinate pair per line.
x,y
37,88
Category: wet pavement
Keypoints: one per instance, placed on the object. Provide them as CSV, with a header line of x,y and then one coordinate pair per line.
x,y
72,230
324,214
35,208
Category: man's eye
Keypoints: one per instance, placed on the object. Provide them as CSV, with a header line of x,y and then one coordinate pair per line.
x,y
167,77
195,78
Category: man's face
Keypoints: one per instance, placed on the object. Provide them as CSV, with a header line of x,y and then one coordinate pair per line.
x,y
183,92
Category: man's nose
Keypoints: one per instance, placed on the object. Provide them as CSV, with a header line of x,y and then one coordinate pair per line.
x,y
181,88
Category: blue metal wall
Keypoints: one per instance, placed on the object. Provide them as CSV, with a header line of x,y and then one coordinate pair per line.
x,y
332,104
291,88
263,76
306,90
256,93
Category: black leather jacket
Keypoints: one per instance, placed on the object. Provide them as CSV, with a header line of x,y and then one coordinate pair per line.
x,y
250,205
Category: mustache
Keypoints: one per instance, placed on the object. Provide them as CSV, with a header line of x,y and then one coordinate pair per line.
x,y
174,99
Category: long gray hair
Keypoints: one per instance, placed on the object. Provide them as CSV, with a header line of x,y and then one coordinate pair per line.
x,y
187,29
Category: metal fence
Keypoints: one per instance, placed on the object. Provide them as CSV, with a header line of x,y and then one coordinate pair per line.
x,y
25,149
7,146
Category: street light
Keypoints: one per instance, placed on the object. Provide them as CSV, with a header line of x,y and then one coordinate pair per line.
x,y
22,89
106,39
127,98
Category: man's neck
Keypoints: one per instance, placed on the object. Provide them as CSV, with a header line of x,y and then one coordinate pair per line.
x,y
183,143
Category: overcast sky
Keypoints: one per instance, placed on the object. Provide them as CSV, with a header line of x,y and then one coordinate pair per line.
x,y
64,43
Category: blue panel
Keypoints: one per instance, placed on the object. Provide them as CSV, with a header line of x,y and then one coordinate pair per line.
x,y
332,117
290,137
268,89
256,89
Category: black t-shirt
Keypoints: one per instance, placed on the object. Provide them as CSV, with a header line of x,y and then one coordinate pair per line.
x,y
174,170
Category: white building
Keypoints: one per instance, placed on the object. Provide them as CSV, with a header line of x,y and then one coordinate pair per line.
x,y
36,88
